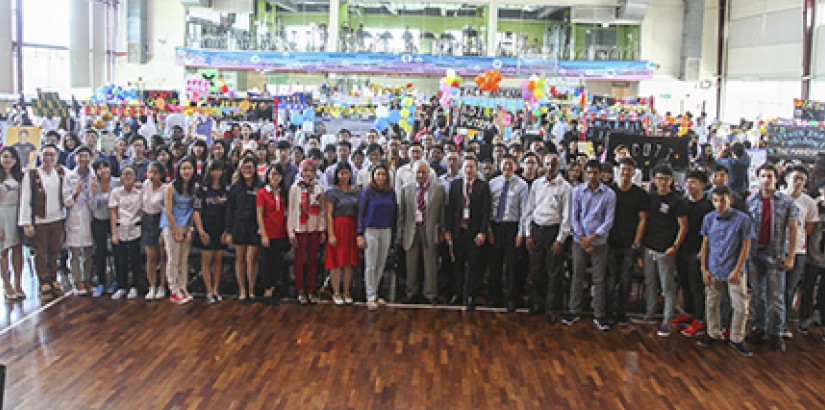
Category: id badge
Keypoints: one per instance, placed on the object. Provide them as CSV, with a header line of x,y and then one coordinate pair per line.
x,y
419,217
466,214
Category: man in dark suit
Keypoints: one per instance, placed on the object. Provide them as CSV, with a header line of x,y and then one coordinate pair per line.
x,y
468,221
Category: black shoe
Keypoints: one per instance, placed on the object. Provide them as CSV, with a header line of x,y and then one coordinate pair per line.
x,y
552,318
569,320
454,301
471,303
705,341
622,321
778,343
493,303
535,310
511,306
756,336
274,300
741,349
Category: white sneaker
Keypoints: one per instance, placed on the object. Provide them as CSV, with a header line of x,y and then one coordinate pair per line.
x,y
160,293
119,294
133,293
338,300
150,294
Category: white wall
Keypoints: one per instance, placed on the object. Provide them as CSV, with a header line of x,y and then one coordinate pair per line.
x,y
166,30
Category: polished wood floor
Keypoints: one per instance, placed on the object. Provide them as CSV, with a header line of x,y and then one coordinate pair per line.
x,y
85,353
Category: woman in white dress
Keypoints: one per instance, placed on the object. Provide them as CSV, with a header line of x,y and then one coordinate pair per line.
x,y
11,174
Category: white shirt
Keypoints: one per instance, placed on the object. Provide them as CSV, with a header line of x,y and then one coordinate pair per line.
x,y
808,213
51,185
79,209
405,175
148,130
549,204
128,204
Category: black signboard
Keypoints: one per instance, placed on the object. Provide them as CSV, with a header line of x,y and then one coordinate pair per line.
x,y
170,97
795,142
650,151
469,116
598,130
807,110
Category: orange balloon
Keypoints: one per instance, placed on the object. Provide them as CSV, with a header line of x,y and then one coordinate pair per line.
x,y
479,80
497,75
531,85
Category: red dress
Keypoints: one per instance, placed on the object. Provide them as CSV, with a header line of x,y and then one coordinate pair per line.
x,y
345,252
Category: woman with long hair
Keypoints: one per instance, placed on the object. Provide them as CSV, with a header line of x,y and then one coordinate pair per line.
x,y
377,212
176,223
306,226
242,227
153,193
11,248
198,151
341,246
101,217
70,142
164,155
210,226
271,212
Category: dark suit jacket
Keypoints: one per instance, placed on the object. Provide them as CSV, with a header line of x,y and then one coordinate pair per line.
x,y
479,207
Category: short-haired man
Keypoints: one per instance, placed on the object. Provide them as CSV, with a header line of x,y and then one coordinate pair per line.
x,y
592,209
720,176
138,159
774,216
666,230
726,242
796,178
738,165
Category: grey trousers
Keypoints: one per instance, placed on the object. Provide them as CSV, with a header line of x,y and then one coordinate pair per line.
x,y
657,262
375,258
739,299
81,273
425,249
599,261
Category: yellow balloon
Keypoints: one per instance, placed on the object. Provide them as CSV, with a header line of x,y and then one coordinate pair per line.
x,y
543,110
408,101
538,93
405,113
403,123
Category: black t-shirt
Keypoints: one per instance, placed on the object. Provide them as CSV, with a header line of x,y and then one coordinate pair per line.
x,y
211,203
628,205
662,220
696,212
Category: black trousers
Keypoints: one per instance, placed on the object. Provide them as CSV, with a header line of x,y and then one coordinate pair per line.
x,y
100,236
503,253
127,259
690,281
809,277
468,260
545,279
273,268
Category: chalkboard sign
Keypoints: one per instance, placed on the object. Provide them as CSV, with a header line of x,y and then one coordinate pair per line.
x,y
808,110
795,142
650,151
598,130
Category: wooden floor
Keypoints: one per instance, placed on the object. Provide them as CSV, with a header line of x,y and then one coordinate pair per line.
x,y
87,353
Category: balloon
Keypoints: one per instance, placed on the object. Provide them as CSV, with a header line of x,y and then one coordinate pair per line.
x,y
381,124
538,93
410,119
393,117
309,114
405,113
382,111
407,101
411,109
296,119
531,85
403,123
525,84
479,80
451,73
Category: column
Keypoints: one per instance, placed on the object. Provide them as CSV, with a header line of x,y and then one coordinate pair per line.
x,y
492,28
334,26
6,56
79,50
99,37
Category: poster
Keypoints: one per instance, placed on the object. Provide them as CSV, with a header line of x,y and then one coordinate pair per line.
x,y
650,151
160,98
599,129
795,142
808,110
49,104
26,140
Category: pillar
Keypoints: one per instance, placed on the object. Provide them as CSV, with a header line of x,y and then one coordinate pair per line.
x,y
334,26
492,28
6,56
79,49
99,37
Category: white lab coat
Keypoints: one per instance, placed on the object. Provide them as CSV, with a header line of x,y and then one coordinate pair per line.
x,y
79,211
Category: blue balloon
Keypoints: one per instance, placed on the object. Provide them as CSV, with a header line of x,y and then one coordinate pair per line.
x,y
309,114
394,117
411,109
381,124
410,120
297,119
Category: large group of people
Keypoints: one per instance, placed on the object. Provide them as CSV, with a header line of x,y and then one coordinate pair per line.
x,y
502,221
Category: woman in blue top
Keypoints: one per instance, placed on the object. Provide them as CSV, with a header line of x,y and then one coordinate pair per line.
x,y
376,217
177,229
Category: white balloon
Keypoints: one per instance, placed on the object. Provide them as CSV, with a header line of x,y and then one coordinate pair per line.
x,y
450,72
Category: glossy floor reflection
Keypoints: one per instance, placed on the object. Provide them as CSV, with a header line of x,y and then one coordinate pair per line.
x,y
98,353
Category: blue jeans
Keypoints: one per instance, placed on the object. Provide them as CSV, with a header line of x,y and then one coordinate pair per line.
x,y
620,269
768,284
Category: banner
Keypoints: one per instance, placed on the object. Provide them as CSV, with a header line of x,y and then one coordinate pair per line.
x,y
795,142
599,129
650,151
808,110
509,98
160,98
472,117
410,64
49,104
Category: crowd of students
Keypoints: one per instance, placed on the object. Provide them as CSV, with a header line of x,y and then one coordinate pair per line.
x,y
498,220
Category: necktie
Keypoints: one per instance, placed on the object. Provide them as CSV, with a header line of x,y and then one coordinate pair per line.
x,y
502,202
422,204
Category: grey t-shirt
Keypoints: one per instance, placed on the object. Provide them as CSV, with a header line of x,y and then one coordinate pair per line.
x,y
344,203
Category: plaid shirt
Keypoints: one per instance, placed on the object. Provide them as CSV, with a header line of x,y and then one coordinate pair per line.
x,y
784,211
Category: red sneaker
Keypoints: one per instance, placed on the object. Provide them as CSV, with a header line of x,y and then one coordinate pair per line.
x,y
178,298
726,334
695,329
683,318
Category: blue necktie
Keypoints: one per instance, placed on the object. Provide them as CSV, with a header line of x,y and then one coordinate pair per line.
x,y
502,201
